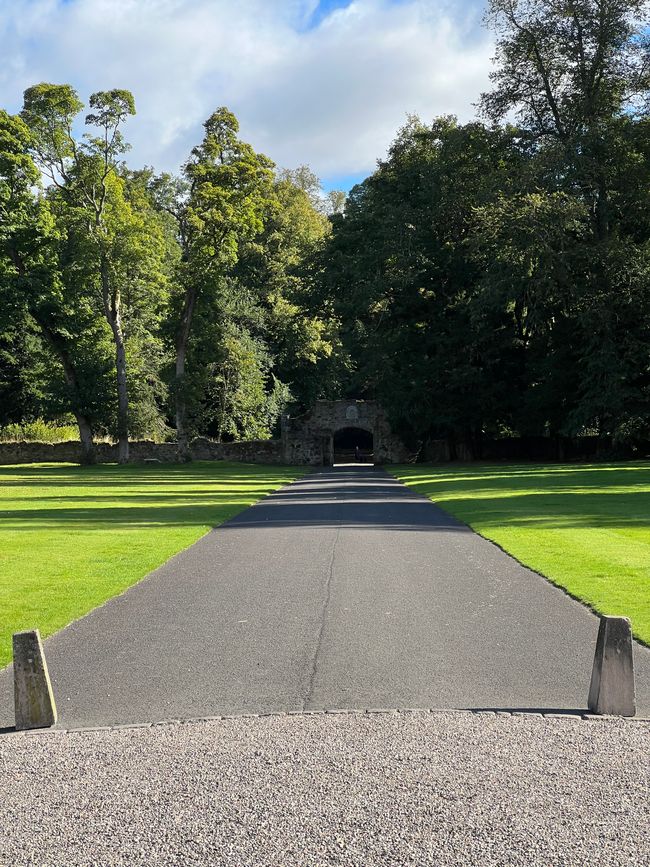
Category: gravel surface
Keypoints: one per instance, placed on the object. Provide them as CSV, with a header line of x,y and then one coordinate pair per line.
x,y
351,789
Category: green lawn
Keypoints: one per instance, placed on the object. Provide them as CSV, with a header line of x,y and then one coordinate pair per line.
x,y
585,527
71,537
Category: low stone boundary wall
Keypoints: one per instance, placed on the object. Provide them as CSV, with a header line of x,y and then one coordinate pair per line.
x,y
253,452
529,448
36,453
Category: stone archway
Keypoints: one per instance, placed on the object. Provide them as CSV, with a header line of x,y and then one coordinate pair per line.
x,y
353,445
310,438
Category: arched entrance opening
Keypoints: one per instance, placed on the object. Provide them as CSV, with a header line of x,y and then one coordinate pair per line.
x,y
348,440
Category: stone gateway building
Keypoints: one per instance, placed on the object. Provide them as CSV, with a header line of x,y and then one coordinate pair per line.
x,y
334,431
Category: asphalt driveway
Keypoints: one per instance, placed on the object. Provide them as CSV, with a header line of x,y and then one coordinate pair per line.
x,y
343,590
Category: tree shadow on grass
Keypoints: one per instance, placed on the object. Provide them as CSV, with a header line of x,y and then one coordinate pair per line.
x,y
106,475
174,514
559,510
410,516
429,479
369,499
202,496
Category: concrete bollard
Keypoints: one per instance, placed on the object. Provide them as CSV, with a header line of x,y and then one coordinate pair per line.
x,y
33,698
612,678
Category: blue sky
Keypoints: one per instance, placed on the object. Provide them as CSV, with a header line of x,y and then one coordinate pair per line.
x,y
323,9
325,83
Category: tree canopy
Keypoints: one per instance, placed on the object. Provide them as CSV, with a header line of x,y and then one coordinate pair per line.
x,y
488,279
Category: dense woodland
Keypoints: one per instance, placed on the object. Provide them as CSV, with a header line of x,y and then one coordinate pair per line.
x,y
488,279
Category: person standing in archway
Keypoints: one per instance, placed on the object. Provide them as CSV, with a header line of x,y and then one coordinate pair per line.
x,y
357,454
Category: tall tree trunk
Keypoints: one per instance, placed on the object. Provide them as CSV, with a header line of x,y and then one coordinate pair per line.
x,y
602,211
182,339
88,454
111,299
122,394
224,404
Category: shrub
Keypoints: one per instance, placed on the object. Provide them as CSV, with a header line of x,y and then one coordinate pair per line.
x,y
39,431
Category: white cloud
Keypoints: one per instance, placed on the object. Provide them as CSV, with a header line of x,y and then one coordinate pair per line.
x,y
332,97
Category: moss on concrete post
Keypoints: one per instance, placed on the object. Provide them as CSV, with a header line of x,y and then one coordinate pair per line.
x,y
33,698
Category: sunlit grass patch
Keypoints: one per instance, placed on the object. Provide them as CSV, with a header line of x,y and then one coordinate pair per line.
x,y
585,527
72,537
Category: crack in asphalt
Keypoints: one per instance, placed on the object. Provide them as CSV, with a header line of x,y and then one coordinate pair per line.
x,y
319,641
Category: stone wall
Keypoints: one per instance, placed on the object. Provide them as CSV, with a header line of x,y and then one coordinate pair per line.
x,y
36,453
255,452
308,439
434,452
530,448
252,452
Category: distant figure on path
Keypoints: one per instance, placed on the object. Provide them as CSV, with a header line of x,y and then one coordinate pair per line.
x,y
357,454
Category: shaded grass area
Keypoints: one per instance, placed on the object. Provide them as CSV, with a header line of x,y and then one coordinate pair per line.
x,y
585,527
72,537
